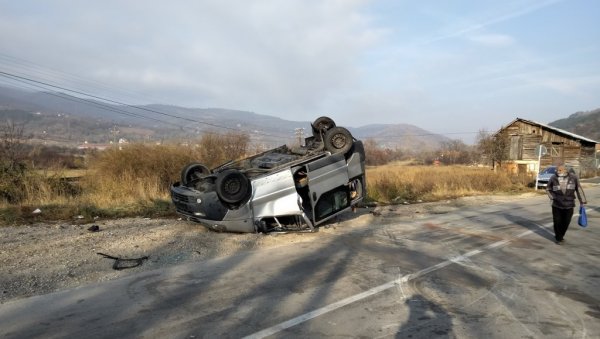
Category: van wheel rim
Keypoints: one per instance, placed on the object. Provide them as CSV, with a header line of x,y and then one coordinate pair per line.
x,y
338,141
232,186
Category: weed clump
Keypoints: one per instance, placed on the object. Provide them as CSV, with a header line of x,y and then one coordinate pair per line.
x,y
135,180
393,183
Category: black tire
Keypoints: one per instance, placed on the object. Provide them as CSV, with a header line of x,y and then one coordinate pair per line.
x,y
193,172
338,140
232,186
322,125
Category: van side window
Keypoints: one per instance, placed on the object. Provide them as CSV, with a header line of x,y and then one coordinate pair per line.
x,y
332,202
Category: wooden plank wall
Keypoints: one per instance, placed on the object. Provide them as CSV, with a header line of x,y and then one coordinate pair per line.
x,y
561,149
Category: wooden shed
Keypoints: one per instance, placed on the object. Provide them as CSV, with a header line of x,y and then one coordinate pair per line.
x,y
562,147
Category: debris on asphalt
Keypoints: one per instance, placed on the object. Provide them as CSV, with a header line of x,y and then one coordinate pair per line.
x,y
122,263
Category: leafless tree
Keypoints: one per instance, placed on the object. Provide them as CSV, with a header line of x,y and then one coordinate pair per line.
x,y
12,164
493,148
12,147
216,148
455,152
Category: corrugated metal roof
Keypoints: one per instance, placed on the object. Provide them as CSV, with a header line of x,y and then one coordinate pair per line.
x,y
557,130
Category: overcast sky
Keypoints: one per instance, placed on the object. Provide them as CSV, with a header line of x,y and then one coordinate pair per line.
x,y
445,66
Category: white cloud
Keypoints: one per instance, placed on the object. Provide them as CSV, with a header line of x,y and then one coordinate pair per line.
x,y
274,57
360,61
493,40
468,25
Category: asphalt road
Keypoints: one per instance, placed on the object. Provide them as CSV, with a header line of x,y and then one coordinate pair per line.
x,y
491,272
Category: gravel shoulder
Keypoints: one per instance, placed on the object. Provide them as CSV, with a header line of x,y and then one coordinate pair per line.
x,y
43,258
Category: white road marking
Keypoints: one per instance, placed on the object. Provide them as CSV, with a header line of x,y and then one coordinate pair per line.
x,y
375,290
512,315
565,312
400,287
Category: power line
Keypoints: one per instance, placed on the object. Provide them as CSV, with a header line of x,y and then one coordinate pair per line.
x,y
29,67
37,83
29,80
106,107
69,97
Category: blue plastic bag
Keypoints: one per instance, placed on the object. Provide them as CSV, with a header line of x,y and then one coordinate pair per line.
x,y
582,217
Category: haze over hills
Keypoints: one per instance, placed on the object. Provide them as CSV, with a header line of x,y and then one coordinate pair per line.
x,y
586,124
66,118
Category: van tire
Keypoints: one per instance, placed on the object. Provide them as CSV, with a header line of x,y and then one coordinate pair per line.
x,y
233,186
338,140
322,125
192,172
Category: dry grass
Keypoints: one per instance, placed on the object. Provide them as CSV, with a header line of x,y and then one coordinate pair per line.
x,y
398,183
137,172
63,173
131,181
135,181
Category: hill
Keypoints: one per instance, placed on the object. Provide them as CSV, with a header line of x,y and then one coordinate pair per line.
x,y
586,124
403,136
61,117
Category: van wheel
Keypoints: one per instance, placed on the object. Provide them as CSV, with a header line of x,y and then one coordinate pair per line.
x,y
322,125
232,186
338,140
193,172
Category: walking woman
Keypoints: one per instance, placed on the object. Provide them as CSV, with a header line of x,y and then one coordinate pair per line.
x,y
561,189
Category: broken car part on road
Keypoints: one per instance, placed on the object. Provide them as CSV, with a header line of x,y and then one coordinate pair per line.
x,y
121,264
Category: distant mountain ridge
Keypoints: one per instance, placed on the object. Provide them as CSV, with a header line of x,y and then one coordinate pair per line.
x,y
400,136
76,120
586,124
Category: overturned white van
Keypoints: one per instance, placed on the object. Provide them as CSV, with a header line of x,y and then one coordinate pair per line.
x,y
282,189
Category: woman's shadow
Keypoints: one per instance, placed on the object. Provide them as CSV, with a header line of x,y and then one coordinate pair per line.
x,y
426,320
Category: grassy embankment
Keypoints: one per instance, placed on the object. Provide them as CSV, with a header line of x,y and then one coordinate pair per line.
x,y
118,183
135,182
399,183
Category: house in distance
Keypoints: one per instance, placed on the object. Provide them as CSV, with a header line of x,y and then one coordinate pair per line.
x,y
524,138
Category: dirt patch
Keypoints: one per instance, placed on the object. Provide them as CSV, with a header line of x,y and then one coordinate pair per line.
x,y
42,258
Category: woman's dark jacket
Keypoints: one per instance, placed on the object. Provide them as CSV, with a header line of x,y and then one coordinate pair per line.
x,y
567,199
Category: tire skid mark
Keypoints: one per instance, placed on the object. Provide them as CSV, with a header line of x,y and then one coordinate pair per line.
x,y
375,290
514,318
566,314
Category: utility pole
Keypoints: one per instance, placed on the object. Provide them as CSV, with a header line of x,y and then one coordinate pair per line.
x,y
299,132
540,150
68,126
114,131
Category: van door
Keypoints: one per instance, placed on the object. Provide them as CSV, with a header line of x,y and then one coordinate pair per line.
x,y
328,186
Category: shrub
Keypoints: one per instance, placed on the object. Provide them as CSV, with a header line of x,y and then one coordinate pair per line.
x,y
392,183
12,182
216,149
135,172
